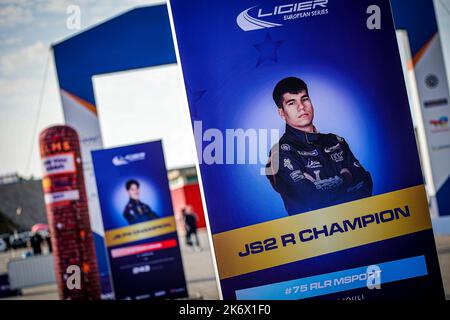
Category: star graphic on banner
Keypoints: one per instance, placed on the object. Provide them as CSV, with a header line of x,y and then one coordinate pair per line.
x,y
194,97
268,49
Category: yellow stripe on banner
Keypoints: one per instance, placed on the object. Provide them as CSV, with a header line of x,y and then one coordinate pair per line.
x,y
347,225
140,231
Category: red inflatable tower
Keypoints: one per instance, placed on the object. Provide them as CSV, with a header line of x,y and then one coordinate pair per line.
x,y
68,215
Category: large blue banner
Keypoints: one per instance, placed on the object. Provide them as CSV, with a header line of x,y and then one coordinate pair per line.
x,y
307,152
140,231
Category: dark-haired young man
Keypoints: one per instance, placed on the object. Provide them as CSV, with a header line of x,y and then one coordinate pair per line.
x,y
136,211
308,169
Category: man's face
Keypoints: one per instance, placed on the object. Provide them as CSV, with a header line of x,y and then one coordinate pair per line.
x,y
133,192
297,111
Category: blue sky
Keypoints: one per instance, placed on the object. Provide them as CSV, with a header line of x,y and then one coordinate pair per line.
x,y
27,30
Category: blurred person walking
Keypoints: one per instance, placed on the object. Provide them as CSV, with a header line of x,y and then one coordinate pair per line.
x,y
190,224
48,239
36,242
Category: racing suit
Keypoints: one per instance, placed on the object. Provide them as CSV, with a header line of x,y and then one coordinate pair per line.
x,y
137,211
316,171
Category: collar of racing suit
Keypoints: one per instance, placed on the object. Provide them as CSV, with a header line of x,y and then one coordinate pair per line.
x,y
136,202
303,136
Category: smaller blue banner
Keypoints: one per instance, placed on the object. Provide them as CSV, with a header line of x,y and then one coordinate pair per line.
x,y
137,213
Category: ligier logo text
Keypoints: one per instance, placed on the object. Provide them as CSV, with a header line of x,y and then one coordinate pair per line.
x,y
259,17
124,160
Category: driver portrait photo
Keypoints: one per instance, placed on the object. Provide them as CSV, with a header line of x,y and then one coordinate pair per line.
x,y
311,170
136,211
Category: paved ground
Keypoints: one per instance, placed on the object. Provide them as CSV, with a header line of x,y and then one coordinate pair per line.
x,y
199,270
200,274
443,248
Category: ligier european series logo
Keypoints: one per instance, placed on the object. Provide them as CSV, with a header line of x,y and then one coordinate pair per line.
x,y
124,160
262,17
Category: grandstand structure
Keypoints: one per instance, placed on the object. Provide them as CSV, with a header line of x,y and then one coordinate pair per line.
x,y
21,203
